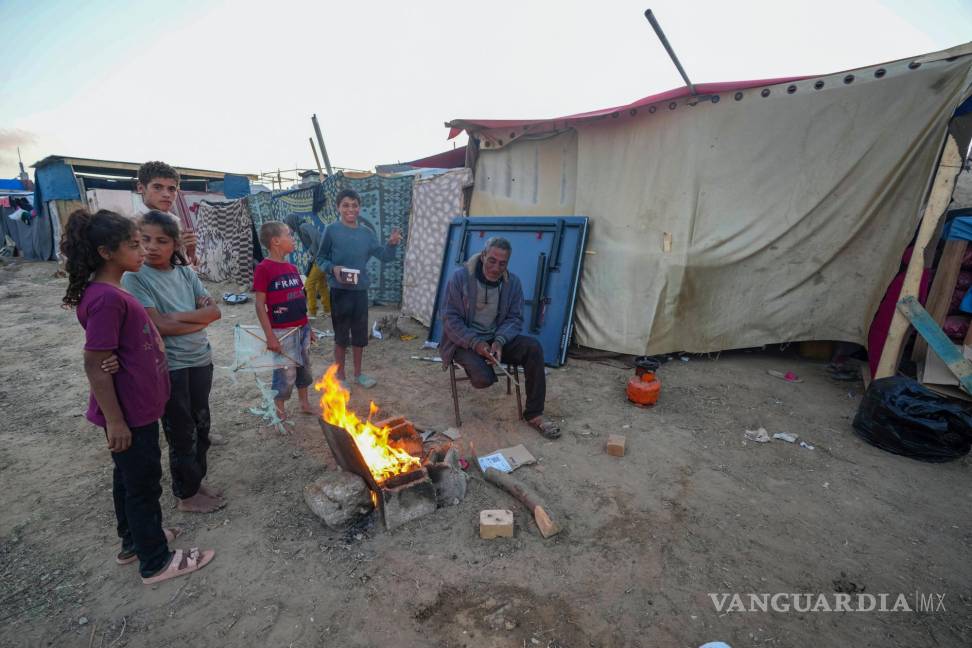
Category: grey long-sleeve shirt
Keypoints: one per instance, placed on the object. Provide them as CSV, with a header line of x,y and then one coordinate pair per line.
x,y
350,247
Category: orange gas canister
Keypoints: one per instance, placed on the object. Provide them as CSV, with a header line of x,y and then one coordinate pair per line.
x,y
644,389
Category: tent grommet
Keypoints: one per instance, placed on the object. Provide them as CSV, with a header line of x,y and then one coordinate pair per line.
x,y
652,109
716,99
849,79
791,89
765,92
880,72
673,105
818,85
738,96
914,65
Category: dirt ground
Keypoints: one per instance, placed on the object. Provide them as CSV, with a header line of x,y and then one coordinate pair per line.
x,y
690,510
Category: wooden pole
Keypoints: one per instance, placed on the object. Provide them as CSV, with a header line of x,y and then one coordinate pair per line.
x,y
316,160
938,199
940,295
320,142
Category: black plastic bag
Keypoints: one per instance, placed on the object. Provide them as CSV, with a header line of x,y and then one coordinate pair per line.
x,y
900,416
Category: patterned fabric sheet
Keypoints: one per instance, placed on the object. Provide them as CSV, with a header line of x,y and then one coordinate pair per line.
x,y
299,202
277,206
386,203
435,203
225,242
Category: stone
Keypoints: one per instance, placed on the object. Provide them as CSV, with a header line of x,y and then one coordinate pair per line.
x,y
410,501
615,445
338,498
448,478
495,523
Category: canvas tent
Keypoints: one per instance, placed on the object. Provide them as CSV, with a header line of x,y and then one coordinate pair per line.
x,y
757,212
63,184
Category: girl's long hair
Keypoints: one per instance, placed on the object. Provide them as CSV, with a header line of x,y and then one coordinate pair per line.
x,y
83,235
170,227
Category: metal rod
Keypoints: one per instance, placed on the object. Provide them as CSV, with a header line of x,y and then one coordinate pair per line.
x,y
668,48
320,142
503,369
314,150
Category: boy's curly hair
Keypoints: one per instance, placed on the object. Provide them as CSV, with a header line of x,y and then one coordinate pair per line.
x,y
156,169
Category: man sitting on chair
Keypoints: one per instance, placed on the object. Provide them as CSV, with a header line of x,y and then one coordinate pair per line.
x,y
482,319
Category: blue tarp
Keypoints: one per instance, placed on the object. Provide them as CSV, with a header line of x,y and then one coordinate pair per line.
x,y
56,182
235,186
13,183
960,229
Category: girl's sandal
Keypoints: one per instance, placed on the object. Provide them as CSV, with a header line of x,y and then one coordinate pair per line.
x,y
128,557
183,562
546,428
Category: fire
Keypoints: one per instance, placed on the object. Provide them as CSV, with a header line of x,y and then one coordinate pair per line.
x,y
383,460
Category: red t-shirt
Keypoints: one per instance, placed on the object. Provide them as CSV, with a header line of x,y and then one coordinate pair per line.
x,y
286,303
113,320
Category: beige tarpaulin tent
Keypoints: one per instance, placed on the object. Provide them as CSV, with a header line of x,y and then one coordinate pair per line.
x,y
757,213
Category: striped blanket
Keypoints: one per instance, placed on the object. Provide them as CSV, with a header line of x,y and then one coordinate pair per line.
x,y
224,232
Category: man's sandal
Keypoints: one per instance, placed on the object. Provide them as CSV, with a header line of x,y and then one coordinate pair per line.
x,y
128,557
183,562
546,428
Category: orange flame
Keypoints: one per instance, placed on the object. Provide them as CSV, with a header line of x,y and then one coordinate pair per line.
x,y
383,460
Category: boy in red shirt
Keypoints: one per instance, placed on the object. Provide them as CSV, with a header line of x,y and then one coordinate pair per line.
x,y
281,304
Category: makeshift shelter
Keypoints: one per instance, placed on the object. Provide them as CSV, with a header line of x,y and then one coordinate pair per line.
x,y
754,212
18,223
63,184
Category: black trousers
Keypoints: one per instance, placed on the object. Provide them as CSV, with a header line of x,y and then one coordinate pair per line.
x,y
522,350
136,489
186,426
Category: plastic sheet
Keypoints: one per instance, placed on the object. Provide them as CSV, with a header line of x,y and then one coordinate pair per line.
x,y
900,416
251,349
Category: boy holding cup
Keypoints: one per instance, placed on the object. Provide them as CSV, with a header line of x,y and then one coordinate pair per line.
x,y
342,256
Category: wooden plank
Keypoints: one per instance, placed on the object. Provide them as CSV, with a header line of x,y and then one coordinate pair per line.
x,y
948,351
942,288
941,195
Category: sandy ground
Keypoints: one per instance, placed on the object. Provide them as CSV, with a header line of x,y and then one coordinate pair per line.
x,y
690,510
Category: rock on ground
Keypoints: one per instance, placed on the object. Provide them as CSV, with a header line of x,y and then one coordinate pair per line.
x,y
338,497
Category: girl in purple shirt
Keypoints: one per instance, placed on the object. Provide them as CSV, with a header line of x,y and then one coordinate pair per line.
x,y
100,248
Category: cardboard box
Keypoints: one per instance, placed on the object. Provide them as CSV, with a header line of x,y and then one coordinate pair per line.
x,y
936,376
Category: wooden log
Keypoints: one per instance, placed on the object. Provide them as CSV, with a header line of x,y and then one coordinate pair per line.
x,y
940,295
548,527
941,195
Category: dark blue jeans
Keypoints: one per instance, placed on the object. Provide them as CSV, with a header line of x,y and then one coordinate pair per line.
x,y
136,489
186,425
522,350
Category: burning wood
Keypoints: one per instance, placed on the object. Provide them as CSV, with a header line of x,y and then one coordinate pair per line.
x,y
381,445
386,454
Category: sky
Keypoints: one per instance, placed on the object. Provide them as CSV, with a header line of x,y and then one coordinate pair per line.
x,y
232,85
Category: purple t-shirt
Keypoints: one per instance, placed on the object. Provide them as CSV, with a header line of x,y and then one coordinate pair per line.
x,y
113,320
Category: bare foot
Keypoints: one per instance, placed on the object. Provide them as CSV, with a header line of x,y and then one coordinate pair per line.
x,y
307,408
281,412
200,503
210,491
